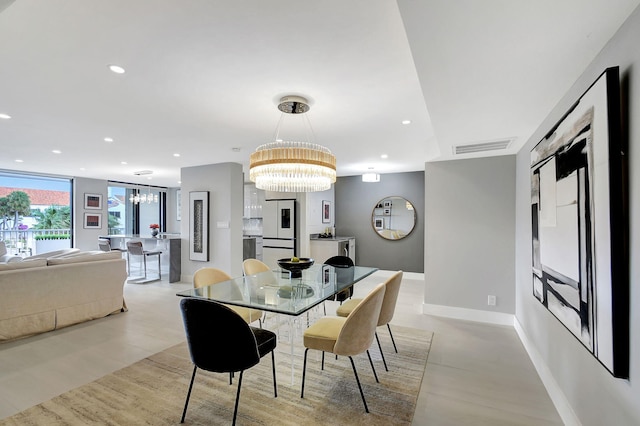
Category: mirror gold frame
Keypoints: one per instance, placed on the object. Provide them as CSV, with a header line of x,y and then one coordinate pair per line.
x,y
393,218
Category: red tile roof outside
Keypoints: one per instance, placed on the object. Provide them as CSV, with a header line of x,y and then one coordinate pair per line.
x,y
41,197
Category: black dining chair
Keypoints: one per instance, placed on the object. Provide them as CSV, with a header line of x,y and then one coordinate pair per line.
x,y
221,341
340,262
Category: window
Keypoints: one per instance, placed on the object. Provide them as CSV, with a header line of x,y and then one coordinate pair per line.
x,y
35,213
129,215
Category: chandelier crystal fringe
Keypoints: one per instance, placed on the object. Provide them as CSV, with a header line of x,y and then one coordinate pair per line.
x,y
290,166
137,198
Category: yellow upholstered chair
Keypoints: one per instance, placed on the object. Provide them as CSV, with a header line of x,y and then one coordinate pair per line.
x,y
208,276
254,266
386,312
346,336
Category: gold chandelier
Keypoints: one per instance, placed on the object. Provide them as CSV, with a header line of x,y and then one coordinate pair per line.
x,y
289,166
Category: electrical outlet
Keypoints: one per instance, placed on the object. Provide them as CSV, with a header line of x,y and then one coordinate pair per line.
x,y
491,300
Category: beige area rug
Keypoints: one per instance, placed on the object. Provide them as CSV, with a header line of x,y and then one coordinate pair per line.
x,y
153,391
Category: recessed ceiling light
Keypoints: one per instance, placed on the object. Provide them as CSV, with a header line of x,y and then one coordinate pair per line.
x,y
117,69
108,139
19,161
406,121
176,155
83,169
123,162
56,151
149,178
384,156
5,116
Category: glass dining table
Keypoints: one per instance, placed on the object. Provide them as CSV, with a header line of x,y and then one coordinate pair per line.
x,y
276,291
279,292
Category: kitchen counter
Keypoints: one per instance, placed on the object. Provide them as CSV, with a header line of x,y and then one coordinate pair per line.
x,y
315,237
338,245
168,244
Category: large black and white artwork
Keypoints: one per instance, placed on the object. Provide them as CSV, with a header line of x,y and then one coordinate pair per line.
x,y
579,225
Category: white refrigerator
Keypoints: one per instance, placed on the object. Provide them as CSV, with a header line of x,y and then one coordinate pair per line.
x,y
279,230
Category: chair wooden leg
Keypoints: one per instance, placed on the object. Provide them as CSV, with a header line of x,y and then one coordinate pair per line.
x,y
372,367
384,361
392,341
273,365
359,387
304,370
235,410
322,368
186,403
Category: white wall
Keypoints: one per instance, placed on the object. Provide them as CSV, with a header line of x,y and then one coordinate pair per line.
x,y
469,237
226,196
311,220
594,395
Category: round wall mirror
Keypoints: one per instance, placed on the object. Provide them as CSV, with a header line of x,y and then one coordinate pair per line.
x,y
393,218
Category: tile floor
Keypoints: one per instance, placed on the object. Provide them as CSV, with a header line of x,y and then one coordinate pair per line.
x,y
477,374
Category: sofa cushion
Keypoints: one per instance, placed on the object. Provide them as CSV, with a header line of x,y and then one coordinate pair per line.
x,y
54,253
84,256
6,258
22,265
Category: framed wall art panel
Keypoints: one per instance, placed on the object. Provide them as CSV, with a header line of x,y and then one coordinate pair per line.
x,y
580,224
199,226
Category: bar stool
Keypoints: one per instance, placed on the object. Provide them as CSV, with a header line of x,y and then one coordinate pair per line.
x,y
105,245
135,248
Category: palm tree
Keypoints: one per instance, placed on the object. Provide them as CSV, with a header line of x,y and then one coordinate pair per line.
x,y
19,204
4,212
53,217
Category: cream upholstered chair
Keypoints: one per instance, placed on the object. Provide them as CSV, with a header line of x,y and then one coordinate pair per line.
x,y
254,266
208,276
392,285
346,336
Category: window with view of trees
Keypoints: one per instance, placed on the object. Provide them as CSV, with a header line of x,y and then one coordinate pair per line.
x,y
33,209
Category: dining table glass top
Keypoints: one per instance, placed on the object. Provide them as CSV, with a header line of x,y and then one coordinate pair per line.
x,y
276,291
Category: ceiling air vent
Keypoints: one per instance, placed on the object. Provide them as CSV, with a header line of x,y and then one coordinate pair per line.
x,y
482,147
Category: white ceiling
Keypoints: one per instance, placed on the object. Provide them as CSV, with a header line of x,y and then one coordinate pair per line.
x,y
204,77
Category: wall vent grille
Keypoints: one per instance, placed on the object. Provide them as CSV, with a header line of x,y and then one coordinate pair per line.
x,y
482,147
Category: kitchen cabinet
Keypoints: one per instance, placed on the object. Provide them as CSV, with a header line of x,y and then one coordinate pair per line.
x,y
323,248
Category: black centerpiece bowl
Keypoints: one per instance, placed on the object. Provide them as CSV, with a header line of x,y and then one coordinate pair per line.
x,y
295,268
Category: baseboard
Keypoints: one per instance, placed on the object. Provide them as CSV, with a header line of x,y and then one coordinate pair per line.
x,y
558,398
408,275
477,315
